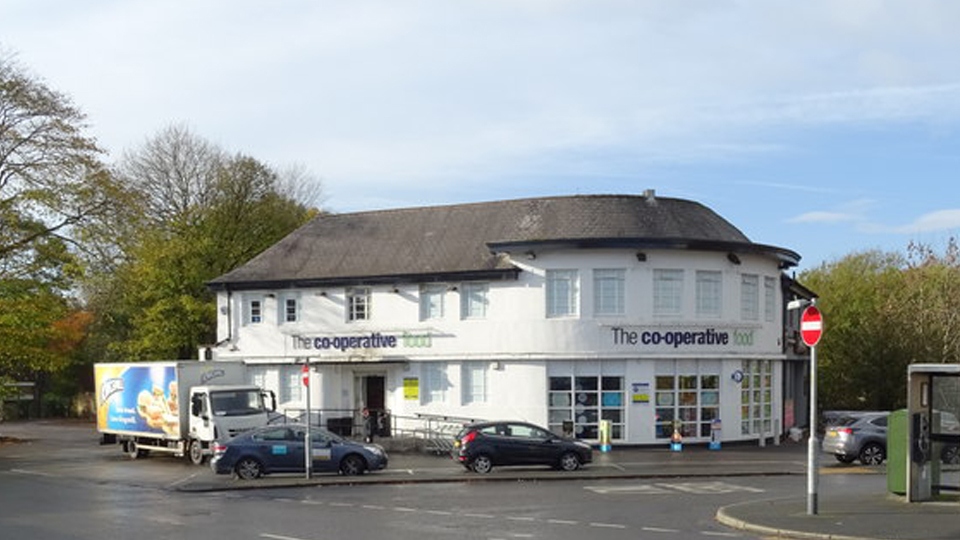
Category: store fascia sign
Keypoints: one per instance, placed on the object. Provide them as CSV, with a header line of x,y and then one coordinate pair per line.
x,y
373,340
680,338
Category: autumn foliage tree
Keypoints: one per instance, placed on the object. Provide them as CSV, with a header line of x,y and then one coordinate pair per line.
x,y
51,182
884,311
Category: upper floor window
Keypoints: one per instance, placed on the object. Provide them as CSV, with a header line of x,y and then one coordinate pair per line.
x,y
667,292
358,304
608,291
431,301
253,310
709,293
289,309
473,300
750,297
561,293
769,298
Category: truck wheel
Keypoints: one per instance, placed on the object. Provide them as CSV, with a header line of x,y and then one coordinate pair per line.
x,y
133,450
195,452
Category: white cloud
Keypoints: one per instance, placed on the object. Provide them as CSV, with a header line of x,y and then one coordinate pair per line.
x,y
940,220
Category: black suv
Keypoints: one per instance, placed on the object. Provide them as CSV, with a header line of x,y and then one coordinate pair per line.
x,y
481,446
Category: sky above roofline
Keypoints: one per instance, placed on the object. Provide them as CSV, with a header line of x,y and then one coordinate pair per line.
x,y
822,127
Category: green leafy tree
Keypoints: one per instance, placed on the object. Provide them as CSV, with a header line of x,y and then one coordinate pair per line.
x,y
199,213
51,183
861,363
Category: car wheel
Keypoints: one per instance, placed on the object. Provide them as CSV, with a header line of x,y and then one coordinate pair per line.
x,y
569,462
872,454
950,455
845,459
249,469
352,465
481,464
195,452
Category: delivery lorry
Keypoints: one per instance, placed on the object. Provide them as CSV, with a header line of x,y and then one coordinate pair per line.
x,y
178,407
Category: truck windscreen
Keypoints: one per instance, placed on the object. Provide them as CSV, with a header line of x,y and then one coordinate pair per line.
x,y
236,402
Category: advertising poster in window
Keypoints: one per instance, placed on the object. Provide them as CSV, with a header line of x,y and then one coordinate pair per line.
x,y
640,392
411,389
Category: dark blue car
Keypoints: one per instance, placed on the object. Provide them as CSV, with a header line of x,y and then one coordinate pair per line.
x,y
279,449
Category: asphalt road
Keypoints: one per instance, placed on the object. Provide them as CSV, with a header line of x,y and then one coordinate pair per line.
x,y
61,484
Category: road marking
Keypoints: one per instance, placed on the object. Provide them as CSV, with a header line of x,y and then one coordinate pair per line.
x,y
659,530
607,525
32,473
483,516
521,518
724,534
403,509
696,488
562,522
278,537
648,489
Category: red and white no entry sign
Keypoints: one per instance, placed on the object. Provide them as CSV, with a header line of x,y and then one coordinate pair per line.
x,y
305,370
811,326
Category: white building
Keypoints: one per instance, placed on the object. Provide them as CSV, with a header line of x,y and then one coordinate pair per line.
x,y
562,311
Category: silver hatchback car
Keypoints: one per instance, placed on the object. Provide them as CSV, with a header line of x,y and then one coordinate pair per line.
x,y
856,436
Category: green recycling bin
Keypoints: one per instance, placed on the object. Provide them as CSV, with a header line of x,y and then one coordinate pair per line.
x,y
898,435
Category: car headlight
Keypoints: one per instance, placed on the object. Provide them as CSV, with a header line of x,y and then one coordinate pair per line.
x,y
375,450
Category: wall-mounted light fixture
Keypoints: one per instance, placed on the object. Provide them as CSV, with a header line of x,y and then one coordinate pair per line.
x,y
531,255
322,293
641,256
732,257
223,310
452,288
271,295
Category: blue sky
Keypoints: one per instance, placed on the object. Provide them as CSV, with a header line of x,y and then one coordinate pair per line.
x,y
823,126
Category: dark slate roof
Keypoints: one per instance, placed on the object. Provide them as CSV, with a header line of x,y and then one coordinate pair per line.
x,y
471,241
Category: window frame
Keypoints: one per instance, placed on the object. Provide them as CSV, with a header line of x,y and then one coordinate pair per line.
x,y
668,292
709,293
609,291
474,300
562,293
359,300
749,297
432,301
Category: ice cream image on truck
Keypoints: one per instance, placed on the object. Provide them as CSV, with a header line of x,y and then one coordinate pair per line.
x,y
179,407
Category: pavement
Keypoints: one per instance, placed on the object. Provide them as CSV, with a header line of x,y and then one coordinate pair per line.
x,y
859,512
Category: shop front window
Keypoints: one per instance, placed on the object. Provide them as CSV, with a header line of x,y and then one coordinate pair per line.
x,y
689,403
756,397
578,404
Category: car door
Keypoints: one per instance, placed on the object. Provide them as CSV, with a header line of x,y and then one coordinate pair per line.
x,y
326,458
538,447
280,450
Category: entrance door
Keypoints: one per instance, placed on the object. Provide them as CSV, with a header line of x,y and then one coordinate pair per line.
x,y
374,392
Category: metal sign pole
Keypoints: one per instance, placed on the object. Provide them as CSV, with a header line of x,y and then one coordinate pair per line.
x,y
307,447
813,445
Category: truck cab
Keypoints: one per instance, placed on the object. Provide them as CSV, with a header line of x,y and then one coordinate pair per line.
x,y
221,412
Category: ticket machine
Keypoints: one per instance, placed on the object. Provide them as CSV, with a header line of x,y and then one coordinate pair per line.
x,y
933,409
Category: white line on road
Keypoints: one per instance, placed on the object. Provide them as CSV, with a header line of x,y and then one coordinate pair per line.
x,y
659,530
279,537
608,525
